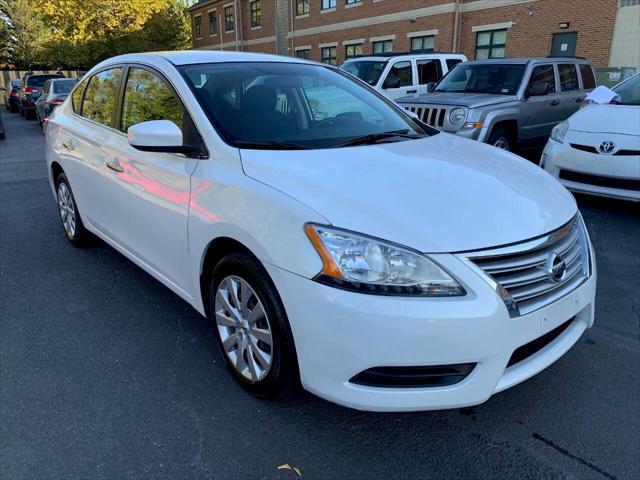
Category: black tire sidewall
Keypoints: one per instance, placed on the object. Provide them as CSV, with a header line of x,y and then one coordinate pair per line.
x,y
283,370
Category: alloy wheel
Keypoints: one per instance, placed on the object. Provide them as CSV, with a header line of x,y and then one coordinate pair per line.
x,y
244,328
502,143
67,209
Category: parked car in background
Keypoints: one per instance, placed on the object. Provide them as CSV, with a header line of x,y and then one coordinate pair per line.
x,y
11,95
302,233
30,89
507,103
597,150
54,92
399,74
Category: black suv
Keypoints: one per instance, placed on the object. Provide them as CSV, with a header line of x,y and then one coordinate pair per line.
x,y
31,88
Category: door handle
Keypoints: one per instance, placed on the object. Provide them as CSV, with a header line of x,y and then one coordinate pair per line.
x,y
412,91
115,166
554,103
68,146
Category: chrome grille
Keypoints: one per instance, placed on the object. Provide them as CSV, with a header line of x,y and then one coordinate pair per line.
x,y
430,114
527,276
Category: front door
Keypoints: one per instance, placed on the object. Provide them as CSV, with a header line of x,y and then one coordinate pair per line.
x,y
400,80
564,44
149,192
541,112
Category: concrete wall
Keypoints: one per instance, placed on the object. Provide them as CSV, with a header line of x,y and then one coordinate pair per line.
x,y
625,47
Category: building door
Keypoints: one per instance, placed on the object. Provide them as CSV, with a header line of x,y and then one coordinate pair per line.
x,y
564,44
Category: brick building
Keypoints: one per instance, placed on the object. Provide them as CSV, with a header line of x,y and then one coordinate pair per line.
x,y
332,30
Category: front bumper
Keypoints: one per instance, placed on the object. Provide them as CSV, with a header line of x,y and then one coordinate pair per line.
x,y
600,171
339,334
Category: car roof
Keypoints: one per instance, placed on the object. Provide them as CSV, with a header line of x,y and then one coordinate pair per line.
x,y
405,55
190,57
525,60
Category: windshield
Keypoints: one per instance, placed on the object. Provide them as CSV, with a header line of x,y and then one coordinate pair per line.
x,y
366,70
301,105
38,80
63,86
629,91
483,78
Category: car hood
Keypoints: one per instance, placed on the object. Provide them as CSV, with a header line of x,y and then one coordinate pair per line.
x,y
471,100
438,194
624,119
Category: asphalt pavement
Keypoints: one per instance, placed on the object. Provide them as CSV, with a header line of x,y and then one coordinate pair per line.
x,y
106,374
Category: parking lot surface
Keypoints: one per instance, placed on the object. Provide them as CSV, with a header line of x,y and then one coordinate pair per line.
x,y
106,374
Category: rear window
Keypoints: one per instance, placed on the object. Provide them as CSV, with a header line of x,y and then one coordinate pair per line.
x,y
38,80
63,86
588,79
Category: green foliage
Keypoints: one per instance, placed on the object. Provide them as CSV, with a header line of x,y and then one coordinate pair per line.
x,y
77,34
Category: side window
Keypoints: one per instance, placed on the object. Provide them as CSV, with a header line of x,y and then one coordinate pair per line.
x,y
76,97
429,71
46,88
452,62
149,97
541,75
588,79
568,77
101,96
400,75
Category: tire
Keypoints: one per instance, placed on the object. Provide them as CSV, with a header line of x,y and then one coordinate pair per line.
x,y
282,371
14,109
30,115
501,138
21,111
73,229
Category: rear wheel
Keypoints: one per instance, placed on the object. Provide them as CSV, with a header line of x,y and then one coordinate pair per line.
x,y
69,216
251,326
501,138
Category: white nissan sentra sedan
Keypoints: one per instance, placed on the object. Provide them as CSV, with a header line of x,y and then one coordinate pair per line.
x,y
597,150
332,239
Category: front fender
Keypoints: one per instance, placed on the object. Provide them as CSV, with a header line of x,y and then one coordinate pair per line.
x,y
491,119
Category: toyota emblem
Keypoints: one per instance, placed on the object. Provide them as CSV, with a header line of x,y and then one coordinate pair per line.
x,y
607,147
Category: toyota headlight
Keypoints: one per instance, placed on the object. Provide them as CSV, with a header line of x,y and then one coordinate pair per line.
x,y
368,265
560,131
457,116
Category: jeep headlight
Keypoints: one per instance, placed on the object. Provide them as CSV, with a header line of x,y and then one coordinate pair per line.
x,y
457,116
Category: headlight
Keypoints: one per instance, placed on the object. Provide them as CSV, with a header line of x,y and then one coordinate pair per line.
x,y
457,116
560,131
368,265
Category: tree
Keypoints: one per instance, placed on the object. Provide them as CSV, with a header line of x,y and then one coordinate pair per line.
x,y
24,31
84,32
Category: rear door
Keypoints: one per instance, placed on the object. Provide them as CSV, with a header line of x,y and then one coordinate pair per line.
x,y
570,92
400,80
429,70
149,192
540,113
81,142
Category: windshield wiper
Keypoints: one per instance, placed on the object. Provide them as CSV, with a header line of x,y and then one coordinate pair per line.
x,y
377,137
270,145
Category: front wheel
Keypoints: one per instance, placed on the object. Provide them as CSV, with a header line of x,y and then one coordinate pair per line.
x,y
71,221
251,326
501,138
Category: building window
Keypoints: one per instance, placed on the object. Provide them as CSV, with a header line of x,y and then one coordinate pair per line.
x,y
197,26
351,2
326,4
422,44
384,46
255,13
491,44
302,7
329,55
213,23
351,51
229,19
305,53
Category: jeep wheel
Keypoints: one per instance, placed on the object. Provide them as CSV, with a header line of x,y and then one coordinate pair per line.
x,y
501,138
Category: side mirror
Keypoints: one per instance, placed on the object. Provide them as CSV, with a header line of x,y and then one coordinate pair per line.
x,y
391,82
158,136
538,90
431,87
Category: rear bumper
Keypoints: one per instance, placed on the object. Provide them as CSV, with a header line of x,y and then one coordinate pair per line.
x,y
340,334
